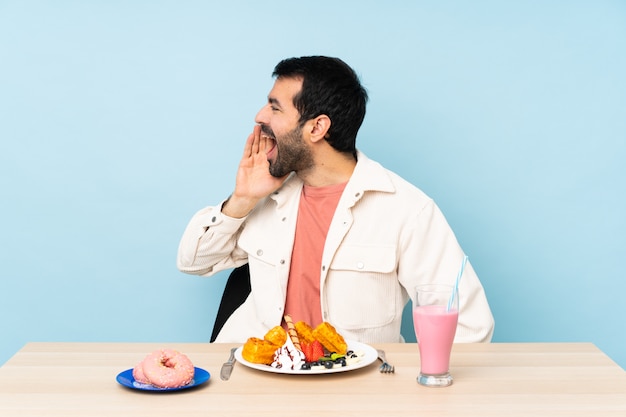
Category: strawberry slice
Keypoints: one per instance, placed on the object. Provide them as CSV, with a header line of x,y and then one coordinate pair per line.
x,y
307,350
317,350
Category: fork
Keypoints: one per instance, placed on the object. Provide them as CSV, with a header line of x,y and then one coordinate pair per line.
x,y
386,367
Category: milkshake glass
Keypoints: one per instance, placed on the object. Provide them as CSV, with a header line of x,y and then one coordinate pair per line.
x,y
435,317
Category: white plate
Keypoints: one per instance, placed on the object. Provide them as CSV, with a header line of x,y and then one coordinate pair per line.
x,y
369,356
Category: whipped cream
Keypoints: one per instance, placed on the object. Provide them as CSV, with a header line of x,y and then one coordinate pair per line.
x,y
354,358
288,357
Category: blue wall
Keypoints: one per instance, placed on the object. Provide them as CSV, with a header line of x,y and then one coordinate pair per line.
x,y
119,119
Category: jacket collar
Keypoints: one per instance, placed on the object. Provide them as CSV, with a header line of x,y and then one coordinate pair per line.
x,y
369,175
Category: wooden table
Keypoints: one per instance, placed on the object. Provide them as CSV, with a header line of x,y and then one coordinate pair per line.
x,y
78,379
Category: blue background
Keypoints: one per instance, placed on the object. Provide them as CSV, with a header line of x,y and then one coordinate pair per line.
x,y
120,119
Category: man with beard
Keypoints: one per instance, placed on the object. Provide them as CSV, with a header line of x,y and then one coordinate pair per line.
x,y
329,235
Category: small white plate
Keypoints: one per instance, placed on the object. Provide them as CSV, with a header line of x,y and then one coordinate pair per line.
x,y
369,356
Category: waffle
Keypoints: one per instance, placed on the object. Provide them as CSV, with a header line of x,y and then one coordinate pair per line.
x,y
305,333
330,339
257,350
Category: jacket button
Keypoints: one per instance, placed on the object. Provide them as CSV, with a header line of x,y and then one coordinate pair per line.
x,y
360,265
259,252
214,219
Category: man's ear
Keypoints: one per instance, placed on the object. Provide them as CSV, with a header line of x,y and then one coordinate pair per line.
x,y
319,127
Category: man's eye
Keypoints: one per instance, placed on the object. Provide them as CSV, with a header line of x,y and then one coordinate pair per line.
x,y
274,108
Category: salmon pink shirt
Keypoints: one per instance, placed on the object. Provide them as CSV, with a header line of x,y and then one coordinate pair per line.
x,y
315,212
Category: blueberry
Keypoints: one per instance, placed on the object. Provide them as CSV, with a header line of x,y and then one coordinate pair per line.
x,y
306,366
328,364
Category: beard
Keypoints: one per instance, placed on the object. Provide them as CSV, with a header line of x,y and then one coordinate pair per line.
x,y
292,153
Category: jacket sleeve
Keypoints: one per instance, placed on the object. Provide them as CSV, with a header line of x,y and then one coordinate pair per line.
x,y
209,243
432,254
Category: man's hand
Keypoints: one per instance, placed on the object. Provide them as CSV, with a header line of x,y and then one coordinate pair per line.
x,y
254,180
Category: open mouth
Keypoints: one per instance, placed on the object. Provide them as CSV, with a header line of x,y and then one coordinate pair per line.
x,y
270,146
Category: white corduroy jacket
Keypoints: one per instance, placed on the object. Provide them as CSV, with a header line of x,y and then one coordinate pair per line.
x,y
386,237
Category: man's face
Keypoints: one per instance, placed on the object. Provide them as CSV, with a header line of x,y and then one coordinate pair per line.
x,y
279,120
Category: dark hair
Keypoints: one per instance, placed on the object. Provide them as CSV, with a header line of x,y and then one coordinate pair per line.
x,y
330,87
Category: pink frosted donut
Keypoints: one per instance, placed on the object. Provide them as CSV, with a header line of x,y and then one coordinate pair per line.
x,y
167,368
139,375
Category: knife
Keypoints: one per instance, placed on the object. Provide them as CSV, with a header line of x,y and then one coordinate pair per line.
x,y
227,368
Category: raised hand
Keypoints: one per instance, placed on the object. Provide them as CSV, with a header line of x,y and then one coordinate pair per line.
x,y
253,181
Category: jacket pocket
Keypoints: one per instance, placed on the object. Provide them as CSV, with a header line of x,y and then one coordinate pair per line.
x,y
362,287
267,291
362,258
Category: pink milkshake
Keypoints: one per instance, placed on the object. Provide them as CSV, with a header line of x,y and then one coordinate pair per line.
x,y
435,317
435,328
